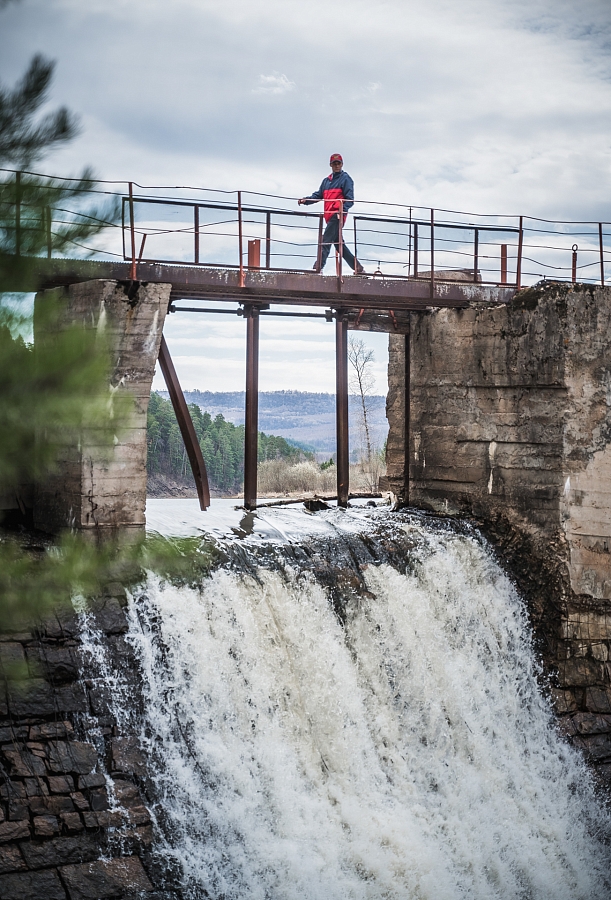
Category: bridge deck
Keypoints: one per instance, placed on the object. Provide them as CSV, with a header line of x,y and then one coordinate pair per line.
x,y
286,287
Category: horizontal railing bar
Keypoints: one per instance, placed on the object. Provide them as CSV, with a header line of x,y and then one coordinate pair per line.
x,y
239,311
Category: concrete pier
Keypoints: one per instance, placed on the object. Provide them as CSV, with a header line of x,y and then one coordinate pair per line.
x,y
510,422
98,487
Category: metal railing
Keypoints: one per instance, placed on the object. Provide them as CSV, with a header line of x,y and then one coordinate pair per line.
x,y
201,227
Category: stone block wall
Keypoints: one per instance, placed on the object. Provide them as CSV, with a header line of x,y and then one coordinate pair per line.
x,y
510,423
97,487
73,818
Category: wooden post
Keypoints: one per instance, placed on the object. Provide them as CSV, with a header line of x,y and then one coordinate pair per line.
x,y
341,407
251,430
185,423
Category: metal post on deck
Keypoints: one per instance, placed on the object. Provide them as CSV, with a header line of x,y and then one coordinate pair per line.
x,y
132,229
48,230
341,407
602,258
196,233
185,423
319,252
503,263
519,262
475,255
406,413
574,263
17,213
432,253
340,243
268,239
415,250
251,435
240,246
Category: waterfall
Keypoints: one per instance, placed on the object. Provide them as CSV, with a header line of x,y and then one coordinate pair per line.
x,y
403,749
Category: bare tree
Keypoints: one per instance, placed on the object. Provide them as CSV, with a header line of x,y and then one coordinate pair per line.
x,y
362,383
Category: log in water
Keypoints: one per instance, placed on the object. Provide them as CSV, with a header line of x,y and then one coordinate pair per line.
x,y
403,749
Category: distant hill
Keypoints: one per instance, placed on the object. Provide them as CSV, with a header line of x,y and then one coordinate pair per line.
x,y
306,418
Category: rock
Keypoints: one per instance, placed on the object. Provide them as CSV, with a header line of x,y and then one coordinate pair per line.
x,y
106,878
71,822
14,831
17,811
11,859
79,800
95,780
58,664
71,699
110,617
72,756
11,733
61,784
98,799
60,851
51,730
106,818
45,826
31,697
52,806
598,699
24,763
127,756
32,886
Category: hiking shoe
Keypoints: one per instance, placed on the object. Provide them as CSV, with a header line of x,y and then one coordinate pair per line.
x,y
317,268
359,269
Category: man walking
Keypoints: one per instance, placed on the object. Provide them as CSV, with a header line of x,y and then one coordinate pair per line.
x,y
335,187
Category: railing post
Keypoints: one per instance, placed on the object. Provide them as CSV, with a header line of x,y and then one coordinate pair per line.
x,y
340,243
406,412
519,261
341,407
319,253
574,248
268,239
17,213
240,246
475,255
602,257
503,263
48,230
196,233
432,253
356,265
132,228
415,250
251,418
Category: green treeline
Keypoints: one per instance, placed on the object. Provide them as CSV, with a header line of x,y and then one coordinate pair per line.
x,y
222,446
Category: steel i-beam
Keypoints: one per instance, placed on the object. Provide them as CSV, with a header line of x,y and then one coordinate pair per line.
x,y
341,407
185,423
251,314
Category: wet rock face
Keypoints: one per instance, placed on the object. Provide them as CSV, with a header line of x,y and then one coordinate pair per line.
x,y
71,783
510,423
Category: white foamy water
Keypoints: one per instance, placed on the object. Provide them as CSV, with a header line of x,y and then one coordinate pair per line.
x,y
406,755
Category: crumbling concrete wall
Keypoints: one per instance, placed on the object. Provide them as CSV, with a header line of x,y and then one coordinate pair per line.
x,y
510,423
98,487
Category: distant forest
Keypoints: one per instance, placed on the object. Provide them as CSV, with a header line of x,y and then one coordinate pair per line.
x,y
222,446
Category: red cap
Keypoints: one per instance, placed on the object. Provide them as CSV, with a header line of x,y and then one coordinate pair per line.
x,y
336,157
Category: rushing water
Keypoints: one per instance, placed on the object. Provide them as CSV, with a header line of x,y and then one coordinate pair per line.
x,y
401,749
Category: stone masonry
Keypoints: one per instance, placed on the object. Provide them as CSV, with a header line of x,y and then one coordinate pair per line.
x,y
99,487
73,821
510,423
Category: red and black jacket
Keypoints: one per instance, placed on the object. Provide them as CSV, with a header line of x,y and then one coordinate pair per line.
x,y
335,186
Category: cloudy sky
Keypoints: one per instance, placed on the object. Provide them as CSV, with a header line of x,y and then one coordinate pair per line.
x,y
496,106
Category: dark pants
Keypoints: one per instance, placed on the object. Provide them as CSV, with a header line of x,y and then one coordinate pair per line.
x,y
331,236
